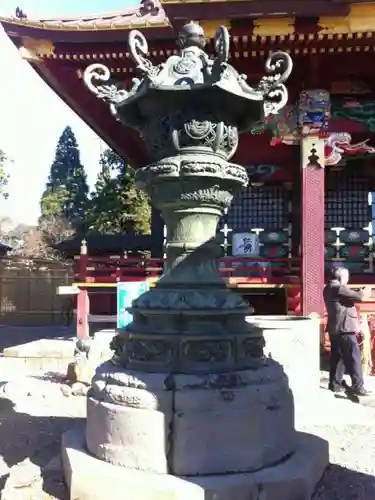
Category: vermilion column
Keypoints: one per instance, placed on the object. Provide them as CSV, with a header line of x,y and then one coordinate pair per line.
x,y
312,211
83,305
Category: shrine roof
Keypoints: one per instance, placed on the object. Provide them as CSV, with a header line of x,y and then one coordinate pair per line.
x,y
59,49
148,15
251,17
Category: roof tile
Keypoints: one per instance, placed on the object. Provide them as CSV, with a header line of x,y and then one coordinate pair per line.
x,y
150,12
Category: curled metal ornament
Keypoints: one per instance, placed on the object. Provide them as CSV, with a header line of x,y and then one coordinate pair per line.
x,y
275,100
97,78
138,48
221,44
278,67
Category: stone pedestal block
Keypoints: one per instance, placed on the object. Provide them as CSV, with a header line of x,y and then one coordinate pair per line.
x,y
294,341
191,424
128,418
293,479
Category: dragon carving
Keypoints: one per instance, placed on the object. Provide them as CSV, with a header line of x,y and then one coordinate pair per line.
x,y
338,145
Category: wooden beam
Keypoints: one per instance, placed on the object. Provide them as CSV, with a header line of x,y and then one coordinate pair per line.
x,y
360,19
231,9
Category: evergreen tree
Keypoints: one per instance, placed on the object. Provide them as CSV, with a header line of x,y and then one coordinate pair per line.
x,y
116,205
66,190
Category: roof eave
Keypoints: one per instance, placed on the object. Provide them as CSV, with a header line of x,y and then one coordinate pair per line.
x,y
49,78
155,30
207,9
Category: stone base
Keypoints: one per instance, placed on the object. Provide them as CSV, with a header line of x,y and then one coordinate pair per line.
x,y
191,424
294,479
294,342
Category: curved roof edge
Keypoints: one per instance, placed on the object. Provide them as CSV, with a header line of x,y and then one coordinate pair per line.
x,y
148,15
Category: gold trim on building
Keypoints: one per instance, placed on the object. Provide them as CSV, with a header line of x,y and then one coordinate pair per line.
x,y
210,27
312,146
273,26
361,19
237,52
61,26
35,50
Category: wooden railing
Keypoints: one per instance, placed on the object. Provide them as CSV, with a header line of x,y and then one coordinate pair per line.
x,y
114,269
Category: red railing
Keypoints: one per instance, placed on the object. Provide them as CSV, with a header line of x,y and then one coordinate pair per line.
x,y
115,269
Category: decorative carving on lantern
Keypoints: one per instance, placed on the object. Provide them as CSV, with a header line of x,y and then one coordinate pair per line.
x,y
193,70
190,111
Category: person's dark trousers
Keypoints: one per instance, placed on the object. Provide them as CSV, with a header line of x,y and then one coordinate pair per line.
x,y
345,356
336,364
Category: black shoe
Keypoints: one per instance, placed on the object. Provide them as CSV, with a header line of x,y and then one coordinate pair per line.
x,y
359,392
336,388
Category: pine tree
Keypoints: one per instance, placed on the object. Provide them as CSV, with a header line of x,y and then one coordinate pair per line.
x,y
116,205
66,190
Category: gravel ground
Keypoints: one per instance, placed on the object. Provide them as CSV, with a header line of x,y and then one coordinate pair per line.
x,y
351,475
33,417
41,414
31,427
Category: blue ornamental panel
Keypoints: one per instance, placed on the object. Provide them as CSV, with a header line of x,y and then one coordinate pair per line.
x,y
354,236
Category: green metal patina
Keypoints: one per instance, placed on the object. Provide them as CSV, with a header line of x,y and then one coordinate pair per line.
x,y
362,111
190,111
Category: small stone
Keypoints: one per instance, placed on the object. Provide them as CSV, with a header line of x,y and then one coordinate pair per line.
x,y
79,389
71,373
80,371
23,475
66,390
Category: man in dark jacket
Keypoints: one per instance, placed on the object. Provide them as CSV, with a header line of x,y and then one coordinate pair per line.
x,y
343,327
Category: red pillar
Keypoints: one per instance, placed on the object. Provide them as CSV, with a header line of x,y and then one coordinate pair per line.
x,y
83,306
82,314
312,242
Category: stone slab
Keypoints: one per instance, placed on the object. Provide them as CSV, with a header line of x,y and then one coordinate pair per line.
x,y
21,367
43,348
41,355
294,479
293,341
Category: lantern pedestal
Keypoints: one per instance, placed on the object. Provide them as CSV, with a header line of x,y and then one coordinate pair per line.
x,y
293,479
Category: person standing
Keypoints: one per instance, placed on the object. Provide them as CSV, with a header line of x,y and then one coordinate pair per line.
x,y
343,327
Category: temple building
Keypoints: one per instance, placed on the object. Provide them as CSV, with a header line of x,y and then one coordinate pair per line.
x,y
300,213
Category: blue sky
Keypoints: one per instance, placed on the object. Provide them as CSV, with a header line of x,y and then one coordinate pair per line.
x,y
33,117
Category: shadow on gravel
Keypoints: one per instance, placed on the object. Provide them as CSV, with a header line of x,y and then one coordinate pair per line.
x,y
23,436
341,483
11,336
51,377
